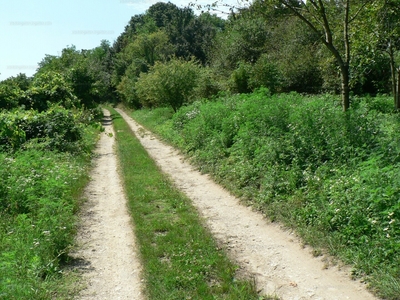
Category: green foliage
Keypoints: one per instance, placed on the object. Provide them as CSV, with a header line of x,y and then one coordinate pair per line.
x,y
164,31
42,175
55,129
37,222
12,91
240,78
265,74
10,96
244,39
260,48
170,84
296,56
333,176
247,77
50,88
208,84
75,78
137,57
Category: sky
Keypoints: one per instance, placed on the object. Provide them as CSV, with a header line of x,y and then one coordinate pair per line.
x,y
30,29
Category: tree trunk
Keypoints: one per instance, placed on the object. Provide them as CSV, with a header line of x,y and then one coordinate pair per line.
x,y
344,76
393,74
397,95
345,68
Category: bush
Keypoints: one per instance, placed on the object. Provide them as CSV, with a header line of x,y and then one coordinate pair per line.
x,y
208,84
50,88
239,80
57,128
265,74
10,96
168,84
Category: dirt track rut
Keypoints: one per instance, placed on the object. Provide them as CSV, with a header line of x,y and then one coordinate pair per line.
x,y
107,254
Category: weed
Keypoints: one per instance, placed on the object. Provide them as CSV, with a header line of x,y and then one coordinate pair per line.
x,y
332,176
39,196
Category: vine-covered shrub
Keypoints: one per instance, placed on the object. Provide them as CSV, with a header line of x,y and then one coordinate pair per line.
x,y
57,128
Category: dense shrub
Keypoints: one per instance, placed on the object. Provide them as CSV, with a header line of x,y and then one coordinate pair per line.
x,y
239,79
10,96
333,176
49,88
41,177
57,128
265,74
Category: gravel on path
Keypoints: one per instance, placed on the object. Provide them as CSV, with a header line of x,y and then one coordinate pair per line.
x,y
107,255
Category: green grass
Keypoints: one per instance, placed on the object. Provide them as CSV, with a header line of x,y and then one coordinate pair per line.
x,y
181,260
40,193
334,177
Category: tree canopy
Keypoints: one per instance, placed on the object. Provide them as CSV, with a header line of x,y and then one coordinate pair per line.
x,y
347,47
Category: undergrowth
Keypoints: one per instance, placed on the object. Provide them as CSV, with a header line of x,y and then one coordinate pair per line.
x,y
333,176
44,166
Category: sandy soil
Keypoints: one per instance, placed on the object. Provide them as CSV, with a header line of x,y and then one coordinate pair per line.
x,y
274,257
106,255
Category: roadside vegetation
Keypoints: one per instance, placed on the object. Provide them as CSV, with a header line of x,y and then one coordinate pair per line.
x,y
47,134
293,105
332,177
180,258
41,180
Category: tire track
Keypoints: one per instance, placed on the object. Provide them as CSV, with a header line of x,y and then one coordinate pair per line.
x,y
107,252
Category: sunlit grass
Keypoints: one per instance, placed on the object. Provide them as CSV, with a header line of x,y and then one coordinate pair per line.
x,y
40,193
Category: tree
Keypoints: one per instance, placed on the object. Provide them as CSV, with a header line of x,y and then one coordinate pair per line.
x,y
377,45
172,83
12,91
388,19
243,40
99,62
295,53
87,72
198,37
50,88
331,21
10,95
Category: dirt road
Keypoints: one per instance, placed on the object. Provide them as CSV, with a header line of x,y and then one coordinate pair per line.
x,y
273,257
278,262
107,253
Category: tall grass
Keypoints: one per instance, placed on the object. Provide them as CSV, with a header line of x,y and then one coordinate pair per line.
x,y
39,196
333,176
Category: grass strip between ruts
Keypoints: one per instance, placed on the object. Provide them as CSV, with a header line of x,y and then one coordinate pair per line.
x,y
180,258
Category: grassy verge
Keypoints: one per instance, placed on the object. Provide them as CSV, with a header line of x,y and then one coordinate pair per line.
x,y
333,177
40,193
180,258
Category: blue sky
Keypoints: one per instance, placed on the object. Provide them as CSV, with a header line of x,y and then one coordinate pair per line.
x,y
29,29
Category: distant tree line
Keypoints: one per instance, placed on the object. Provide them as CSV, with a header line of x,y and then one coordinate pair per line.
x,y
171,56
